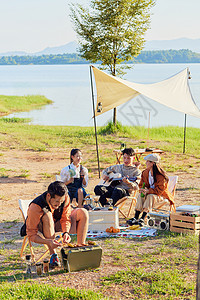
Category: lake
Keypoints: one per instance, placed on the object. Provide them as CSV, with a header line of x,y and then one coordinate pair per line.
x,y
68,86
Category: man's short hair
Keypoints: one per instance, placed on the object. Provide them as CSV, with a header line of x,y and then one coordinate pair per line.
x,y
57,188
128,151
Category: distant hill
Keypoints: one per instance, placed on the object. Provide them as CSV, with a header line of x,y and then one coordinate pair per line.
x,y
67,48
156,56
72,47
11,53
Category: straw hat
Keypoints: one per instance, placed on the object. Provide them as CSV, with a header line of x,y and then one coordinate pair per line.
x,y
153,157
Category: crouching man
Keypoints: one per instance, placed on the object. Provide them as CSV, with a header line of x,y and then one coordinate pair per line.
x,y
51,212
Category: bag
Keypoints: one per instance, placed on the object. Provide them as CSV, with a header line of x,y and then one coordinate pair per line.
x,y
23,230
81,258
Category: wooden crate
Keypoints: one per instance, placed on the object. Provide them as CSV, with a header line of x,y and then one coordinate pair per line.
x,y
184,224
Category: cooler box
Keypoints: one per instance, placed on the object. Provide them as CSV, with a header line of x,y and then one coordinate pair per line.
x,y
81,258
104,218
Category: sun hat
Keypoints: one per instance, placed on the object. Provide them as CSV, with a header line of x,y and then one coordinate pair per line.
x,y
153,157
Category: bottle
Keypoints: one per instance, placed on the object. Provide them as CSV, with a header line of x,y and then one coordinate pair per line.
x,y
46,266
123,146
143,186
28,264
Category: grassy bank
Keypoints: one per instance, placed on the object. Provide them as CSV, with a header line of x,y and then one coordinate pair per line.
x,y
11,104
17,134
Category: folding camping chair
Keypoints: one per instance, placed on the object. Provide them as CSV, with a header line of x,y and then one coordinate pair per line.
x,y
23,206
121,202
172,189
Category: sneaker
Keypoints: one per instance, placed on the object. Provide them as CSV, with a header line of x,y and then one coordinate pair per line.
x,y
54,261
141,222
132,221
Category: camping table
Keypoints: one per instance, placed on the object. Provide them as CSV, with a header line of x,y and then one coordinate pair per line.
x,y
138,153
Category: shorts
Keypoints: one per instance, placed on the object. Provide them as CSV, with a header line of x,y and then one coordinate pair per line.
x,y
74,193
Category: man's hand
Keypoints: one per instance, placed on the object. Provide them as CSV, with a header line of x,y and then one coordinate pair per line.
x,y
125,180
52,244
66,238
105,177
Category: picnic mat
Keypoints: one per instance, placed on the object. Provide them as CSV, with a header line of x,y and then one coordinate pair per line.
x,y
143,232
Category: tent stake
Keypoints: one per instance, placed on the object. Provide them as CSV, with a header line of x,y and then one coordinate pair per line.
x,y
184,134
95,127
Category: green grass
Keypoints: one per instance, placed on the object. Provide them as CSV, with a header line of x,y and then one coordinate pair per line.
x,y
45,175
180,242
162,283
162,270
24,173
10,104
16,120
163,267
44,292
42,138
4,172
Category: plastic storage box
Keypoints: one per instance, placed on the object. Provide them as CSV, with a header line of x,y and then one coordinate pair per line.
x,y
104,218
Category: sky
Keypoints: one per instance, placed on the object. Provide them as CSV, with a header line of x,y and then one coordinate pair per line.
x,y
33,25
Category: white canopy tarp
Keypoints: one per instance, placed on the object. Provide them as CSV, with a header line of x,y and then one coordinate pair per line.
x,y
173,92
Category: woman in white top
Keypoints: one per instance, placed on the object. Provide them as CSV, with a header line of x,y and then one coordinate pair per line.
x,y
75,176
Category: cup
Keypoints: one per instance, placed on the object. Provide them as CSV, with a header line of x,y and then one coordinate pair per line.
x,y
110,201
46,266
28,264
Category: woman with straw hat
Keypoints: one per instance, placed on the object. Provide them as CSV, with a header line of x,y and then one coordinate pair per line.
x,y
153,187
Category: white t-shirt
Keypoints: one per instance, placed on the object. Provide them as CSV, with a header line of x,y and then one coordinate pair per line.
x,y
65,175
151,181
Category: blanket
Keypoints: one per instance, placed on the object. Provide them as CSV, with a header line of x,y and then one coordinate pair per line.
x,y
143,232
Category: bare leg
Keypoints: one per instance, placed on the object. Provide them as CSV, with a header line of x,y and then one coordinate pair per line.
x,y
48,228
79,224
80,198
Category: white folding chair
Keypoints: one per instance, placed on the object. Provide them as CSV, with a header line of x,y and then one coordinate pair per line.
x,y
23,206
172,189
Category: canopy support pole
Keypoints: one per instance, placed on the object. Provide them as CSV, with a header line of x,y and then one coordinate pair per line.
x,y
95,127
148,130
184,134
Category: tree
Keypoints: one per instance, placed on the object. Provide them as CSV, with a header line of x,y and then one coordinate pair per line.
x,y
111,31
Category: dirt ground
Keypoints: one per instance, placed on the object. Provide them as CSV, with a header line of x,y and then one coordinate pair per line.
x,y
29,173
41,168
